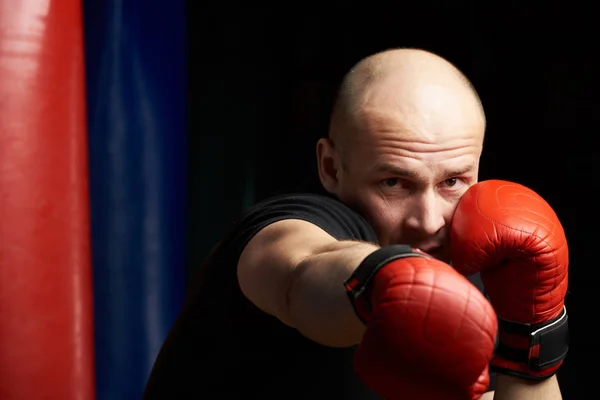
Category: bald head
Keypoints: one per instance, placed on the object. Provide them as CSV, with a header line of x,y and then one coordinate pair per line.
x,y
405,141
399,80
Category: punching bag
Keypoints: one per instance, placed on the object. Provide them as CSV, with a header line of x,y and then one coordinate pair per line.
x,y
46,342
136,114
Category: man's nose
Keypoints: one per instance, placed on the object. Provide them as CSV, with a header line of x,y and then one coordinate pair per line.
x,y
426,214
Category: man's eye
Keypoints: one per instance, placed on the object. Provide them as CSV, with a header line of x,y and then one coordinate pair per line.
x,y
391,182
451,182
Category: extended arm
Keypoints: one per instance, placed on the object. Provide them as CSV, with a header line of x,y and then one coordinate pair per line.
x,y
300,274
511,388
295,271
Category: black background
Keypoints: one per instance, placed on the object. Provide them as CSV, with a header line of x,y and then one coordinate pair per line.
x,y
262,80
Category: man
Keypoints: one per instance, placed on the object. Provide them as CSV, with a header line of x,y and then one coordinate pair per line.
x,y
269,315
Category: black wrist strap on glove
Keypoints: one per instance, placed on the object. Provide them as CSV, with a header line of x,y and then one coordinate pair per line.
x,y
357,286
545,344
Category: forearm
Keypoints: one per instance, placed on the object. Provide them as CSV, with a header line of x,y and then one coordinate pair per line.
x,y
318,305
510,388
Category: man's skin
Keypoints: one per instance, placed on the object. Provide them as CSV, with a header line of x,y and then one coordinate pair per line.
x,y
405,141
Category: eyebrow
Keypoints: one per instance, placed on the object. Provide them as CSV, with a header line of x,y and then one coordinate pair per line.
x,y
406,173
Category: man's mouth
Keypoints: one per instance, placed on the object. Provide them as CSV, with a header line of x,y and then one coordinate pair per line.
x,y
433,251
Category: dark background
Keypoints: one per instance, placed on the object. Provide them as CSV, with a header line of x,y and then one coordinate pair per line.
x,y
262,81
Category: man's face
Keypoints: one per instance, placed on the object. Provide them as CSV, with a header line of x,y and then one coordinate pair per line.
x,y
406,169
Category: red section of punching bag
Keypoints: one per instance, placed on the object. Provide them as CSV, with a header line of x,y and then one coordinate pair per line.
x,y
46,343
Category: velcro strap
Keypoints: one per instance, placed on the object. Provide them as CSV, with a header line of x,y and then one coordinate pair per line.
x,y
357,285
539,346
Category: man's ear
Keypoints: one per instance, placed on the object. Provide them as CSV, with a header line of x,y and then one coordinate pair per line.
x,y
329,164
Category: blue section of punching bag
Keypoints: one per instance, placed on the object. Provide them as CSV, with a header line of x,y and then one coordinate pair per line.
x,y
135,61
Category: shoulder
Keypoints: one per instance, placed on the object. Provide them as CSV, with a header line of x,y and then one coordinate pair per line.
x,y
328,213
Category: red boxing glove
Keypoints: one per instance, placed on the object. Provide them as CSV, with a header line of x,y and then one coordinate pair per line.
x,y
515,239
430,333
